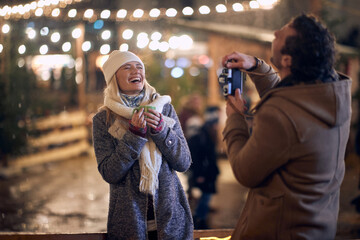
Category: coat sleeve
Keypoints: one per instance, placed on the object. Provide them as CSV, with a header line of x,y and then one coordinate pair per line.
x,y
253,158
114,157
264,78
172,143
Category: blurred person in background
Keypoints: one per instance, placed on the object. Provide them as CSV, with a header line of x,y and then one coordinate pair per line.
x,y
204,168
138,153
293,162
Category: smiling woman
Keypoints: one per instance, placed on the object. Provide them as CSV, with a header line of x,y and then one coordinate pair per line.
x,y
138,153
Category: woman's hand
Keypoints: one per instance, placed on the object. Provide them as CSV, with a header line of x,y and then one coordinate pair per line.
x,y
235,104
138,119
153,118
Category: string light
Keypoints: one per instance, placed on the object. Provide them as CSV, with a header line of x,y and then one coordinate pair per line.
x,y
221,8
52,7
56,8
154,13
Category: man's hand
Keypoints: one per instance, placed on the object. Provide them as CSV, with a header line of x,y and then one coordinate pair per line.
x,y
235,104
239,60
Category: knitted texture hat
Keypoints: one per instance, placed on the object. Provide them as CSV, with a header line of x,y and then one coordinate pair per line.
x,y
116,60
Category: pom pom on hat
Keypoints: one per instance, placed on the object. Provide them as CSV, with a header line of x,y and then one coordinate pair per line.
x,y
116,60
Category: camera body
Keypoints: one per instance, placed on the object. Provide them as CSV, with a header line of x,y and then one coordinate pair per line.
x,y
231,79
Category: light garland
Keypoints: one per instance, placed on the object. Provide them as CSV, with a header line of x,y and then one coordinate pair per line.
x,y
57,9
35,8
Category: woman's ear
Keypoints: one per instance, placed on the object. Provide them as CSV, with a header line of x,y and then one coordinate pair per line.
x,y
286,61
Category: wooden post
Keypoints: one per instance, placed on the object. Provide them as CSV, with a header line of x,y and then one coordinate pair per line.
x,y
80,71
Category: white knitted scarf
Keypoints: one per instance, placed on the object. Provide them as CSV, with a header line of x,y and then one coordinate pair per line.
x,y
150,158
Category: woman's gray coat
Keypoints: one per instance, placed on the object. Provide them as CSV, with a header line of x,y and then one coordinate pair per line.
x,y
119,166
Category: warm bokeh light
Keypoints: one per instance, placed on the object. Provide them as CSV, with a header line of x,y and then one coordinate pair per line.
x,y
105,49
121,13
254,4
72,13
204,9
5,28
124,47
221,8
106,34
177,72
138,13
55,37
156,36
76,33
22,49
188,11
127,34
66,46
31,33
86,46
154,45
44,49
171,12
44,31
105,14
238,7
88,13
55,12
154,13
39,12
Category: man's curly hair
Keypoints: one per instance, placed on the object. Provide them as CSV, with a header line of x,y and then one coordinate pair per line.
x,y
312,50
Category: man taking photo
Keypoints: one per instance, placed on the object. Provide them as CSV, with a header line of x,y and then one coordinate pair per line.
x,y
293,161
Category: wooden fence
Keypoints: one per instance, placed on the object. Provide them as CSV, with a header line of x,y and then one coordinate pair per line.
x,y
59,137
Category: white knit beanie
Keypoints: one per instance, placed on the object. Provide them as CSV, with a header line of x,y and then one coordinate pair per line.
x,y
116,60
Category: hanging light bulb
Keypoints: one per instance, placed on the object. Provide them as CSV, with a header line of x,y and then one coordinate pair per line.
x,y
254,4
221,8
105,49
72,13
154,13
86,46
138,13
39,12
5,28
127,34
124,47
55,12
105,14
44,49
121,13
66,47
106,34
238,7
188,11
88,13
76,33
22,49
55,37
204,9
171,12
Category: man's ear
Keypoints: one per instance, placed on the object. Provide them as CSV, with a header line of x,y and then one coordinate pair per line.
x,y
286,61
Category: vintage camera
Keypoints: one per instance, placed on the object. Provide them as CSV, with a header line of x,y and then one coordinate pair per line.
x,y
231,79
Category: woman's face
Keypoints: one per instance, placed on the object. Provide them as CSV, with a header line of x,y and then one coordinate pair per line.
x,y
130,78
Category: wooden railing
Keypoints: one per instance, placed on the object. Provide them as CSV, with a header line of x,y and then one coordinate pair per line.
x,y
198,234
62,136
